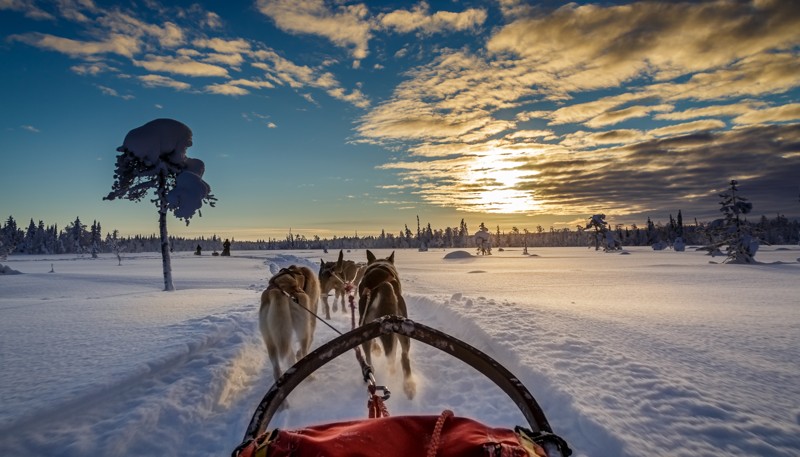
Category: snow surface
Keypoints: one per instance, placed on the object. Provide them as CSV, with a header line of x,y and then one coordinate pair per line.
x,y
650,353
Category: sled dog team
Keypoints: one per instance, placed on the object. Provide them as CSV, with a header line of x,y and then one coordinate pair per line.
x,y
294,291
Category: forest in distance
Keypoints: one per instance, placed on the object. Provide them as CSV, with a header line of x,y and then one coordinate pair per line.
x,y
78,238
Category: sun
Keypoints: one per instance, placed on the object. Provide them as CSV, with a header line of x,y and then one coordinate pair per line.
x,y
495,179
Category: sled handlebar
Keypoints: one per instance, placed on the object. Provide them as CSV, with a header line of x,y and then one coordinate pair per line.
x,y
490,368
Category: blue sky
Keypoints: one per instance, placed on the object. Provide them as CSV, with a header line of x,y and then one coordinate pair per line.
x,y
335,117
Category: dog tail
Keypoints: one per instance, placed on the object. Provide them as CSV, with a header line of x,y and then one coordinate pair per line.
x,y
276,322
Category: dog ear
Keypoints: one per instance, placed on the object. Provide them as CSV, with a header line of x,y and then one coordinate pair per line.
x,y
370,257
391,258
340,260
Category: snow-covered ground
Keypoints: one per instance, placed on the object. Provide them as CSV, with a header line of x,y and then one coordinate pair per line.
x,y
630,354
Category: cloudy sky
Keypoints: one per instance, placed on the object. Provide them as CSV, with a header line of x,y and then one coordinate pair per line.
x,y
332,117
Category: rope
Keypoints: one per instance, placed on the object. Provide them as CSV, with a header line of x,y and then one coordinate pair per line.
x,y
437,433
294,299
375,404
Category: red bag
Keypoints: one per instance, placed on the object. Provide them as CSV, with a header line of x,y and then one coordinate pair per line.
x,y
402,436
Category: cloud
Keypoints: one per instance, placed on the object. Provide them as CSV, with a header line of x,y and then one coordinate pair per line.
x,y
450,98
636,179
162,81
212,20
114,44
354,97
30,128
238,86
284,71
419,19
763,74
678,172
226,89
688,127
221,46
530,134
632,112
180,66
92,68
27,8
345,25
784,113
589,140
594,47
113,93
733,109
599,66
166,48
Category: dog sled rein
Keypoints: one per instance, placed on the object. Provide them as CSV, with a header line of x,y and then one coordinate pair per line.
x,y
376,405
538,430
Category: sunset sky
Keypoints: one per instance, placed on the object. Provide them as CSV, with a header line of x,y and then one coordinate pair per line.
x,y
335,117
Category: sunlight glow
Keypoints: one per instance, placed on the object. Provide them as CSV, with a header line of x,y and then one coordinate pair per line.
x,y
500,176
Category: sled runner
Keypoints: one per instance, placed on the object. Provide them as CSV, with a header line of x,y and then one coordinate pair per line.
x,y
443,435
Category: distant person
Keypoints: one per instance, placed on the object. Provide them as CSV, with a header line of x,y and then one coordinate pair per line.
x,y
226,248
198,251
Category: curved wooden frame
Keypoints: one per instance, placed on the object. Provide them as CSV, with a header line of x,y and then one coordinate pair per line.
x,y
477,359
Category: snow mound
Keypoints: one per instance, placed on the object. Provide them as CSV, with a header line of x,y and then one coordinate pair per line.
x,y
6,270
458,255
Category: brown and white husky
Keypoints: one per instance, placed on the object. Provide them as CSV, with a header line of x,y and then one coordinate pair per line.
x,y
285,304
380,294
333,276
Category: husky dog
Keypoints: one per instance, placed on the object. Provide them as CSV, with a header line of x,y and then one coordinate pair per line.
x,y
285,305
381,295
333,276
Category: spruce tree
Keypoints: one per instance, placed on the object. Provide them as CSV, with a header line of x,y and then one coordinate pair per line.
x,y
734,230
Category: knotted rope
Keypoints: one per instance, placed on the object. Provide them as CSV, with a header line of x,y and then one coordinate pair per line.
x,y
437,433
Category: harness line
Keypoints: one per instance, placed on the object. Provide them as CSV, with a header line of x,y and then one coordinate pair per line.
x,y
375,404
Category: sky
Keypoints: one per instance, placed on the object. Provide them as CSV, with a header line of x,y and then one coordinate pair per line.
x,y
341,117
682,358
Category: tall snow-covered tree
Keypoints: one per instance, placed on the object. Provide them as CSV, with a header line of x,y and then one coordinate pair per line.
x,y
95,239
10,237
153,156
30,238
76,233
733,229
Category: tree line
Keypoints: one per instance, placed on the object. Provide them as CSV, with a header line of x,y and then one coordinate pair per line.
x,y
81,239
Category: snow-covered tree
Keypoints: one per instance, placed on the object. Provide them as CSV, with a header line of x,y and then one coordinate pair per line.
x,y
153,156
112,241
602,234
76,233
483,240
30,238
10,237
733,229
95,239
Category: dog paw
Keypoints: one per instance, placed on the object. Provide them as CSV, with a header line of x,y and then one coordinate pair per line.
x,y
410,388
